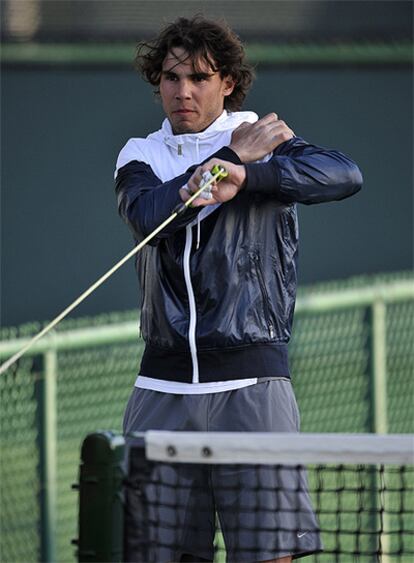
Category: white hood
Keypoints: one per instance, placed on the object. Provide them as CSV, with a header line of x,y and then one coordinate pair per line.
x,y
226,122
170,155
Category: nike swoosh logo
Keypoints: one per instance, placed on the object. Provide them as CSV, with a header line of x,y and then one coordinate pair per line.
x,y
301,535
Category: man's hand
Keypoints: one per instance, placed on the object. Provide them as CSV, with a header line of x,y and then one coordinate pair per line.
x,y
252,141
222,191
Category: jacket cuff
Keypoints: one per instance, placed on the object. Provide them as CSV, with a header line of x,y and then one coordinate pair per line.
x,y
225,153
263,177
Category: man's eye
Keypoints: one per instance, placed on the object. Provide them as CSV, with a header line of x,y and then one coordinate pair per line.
x,y
200,78
171,77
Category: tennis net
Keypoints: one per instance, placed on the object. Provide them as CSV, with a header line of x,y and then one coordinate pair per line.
x,y
254,496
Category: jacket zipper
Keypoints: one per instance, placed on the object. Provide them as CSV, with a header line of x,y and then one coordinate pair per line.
x,y
191,300
265,295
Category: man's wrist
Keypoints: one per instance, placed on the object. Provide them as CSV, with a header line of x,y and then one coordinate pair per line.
x,y
242,176
238,151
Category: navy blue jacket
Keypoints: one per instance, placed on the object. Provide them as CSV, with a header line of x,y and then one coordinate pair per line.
x,y
244,271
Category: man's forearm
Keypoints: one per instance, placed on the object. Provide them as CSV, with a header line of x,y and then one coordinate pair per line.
x,y
304,173
144,202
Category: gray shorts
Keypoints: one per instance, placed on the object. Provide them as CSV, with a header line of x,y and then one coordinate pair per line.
x,y
257,524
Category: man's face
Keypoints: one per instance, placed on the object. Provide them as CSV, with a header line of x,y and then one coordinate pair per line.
x,y
192,99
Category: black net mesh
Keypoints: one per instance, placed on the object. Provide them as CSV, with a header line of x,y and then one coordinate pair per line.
x,y
261,512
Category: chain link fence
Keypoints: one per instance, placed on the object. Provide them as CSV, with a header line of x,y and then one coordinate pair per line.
x,y
333,365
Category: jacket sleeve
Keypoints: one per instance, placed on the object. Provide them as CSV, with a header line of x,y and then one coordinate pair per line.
x,y
304,173
144,201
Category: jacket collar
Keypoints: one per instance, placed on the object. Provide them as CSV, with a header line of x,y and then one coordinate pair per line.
x,y
227,121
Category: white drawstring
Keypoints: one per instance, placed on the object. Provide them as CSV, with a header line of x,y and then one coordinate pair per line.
x,y
198,216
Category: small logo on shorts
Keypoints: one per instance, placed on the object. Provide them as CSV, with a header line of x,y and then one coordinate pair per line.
x,y
301,534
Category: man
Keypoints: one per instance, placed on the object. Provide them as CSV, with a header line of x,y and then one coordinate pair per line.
x,y
218,283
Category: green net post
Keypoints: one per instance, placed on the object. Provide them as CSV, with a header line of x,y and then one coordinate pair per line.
x,y
100,498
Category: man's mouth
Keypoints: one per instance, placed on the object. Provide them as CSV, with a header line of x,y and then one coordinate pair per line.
x,y
183,111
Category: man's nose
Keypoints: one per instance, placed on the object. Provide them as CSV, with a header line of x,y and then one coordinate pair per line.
x,y
183,90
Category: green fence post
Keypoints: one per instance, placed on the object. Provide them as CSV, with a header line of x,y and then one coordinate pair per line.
x,y
379,368
101,520
379,423
46,394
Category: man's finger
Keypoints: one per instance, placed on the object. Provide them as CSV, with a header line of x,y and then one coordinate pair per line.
x,y
269,118
184,194
201,202
194,181
278,127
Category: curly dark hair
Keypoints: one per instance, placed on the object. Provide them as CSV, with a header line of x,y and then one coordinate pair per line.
x,y
203,39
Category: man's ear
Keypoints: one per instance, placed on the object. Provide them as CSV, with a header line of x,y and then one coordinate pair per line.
x,y
229,85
